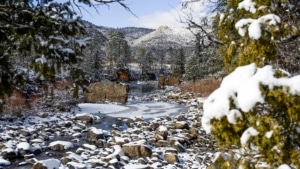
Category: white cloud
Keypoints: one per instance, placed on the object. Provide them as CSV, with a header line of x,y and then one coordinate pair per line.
x,y
169,18
172,17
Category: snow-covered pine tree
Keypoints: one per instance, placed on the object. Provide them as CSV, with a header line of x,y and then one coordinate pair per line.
x,y
94,54
43,38
204,60
145,58
255,114
117,50
178,63
192,68
249,31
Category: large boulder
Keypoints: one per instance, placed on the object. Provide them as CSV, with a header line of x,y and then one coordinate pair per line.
x,y
106,90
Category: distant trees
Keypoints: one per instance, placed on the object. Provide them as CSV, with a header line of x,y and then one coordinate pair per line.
x,y
223,32
178,63
39,43
288,46
204,60
117,50
93,63
145,57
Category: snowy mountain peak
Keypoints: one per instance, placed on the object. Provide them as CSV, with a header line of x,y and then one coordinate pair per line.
x,y
166,36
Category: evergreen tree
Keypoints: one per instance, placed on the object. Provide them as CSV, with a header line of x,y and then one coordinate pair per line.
x,y
117,50
178,65
204,60
39,39
193,69
98,66
255,118
94,54
145,58
283,44
248,31
254,114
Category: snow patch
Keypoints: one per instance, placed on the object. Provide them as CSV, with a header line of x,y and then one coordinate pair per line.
x,y
248,5
233,116
4,162
50,163
254,29
284,166
66,144
269,134
247,134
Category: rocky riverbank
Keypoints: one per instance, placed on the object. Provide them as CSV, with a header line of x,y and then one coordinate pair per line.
x,y
67,140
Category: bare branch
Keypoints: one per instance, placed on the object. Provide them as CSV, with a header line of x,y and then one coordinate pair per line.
x,y
120,2
201,24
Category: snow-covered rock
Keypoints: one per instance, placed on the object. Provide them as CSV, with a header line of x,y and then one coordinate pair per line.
x,y
61,145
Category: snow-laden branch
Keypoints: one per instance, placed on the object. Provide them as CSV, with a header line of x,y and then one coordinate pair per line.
x,y
255,25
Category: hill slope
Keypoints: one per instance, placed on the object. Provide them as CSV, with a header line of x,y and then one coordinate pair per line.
x,y
165,37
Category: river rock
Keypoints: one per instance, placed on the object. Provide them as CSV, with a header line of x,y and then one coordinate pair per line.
x,y
181,125
4,162
23,148
106,90
193,133
60,145
162,143
84,117
162,131
136,150
46,164
171,158
24,132
94,134
9,153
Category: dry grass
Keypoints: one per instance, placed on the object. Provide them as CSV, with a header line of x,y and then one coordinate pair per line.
x,y
203,87
16,105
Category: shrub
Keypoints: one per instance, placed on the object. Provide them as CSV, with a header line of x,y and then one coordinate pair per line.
x,y
256,110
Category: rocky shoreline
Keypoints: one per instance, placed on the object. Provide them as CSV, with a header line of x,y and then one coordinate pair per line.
x,y
69,141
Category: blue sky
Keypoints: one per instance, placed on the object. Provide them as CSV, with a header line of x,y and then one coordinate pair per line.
x,y
150,13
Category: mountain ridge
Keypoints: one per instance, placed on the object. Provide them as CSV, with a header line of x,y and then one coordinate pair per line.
x,y
163,37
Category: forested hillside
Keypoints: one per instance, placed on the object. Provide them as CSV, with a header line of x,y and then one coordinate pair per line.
x,y
49,44
153,51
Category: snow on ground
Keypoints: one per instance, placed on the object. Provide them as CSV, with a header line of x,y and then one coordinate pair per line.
x,y
144,109
100,108
4,162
